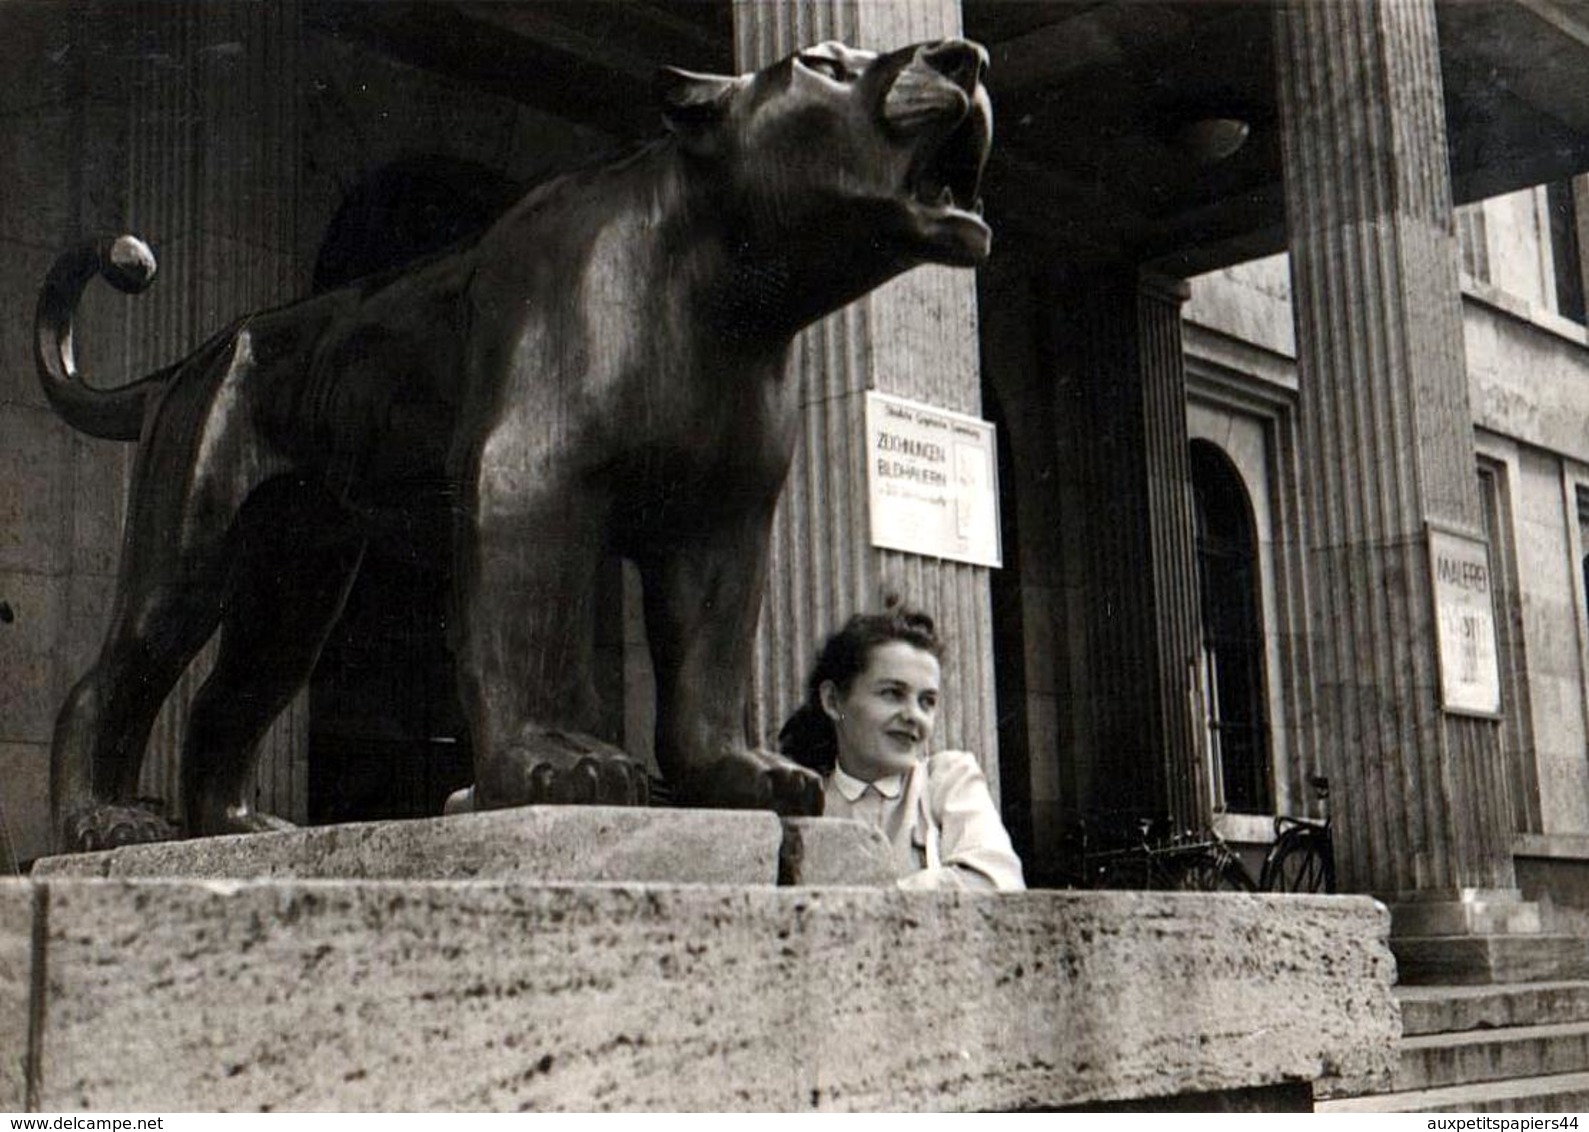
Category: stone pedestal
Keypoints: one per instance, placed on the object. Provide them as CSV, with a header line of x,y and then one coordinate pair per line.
x,y
182,994
540,844
1423,816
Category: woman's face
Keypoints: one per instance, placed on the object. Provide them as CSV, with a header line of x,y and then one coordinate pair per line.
x,y
887,716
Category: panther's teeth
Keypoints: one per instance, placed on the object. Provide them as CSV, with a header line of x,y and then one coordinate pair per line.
x,y
946,197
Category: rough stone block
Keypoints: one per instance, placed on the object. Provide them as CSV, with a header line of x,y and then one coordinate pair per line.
x,y
24,800
34,489
35,56
831,851
192,995
102,190
36,155
28,699
16,981
533,843
22,270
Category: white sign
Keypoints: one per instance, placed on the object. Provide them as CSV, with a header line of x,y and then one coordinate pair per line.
x,y
933,480
1470,674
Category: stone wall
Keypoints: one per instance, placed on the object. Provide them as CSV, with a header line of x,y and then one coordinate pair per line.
x,y
1529,386
60,493
202,995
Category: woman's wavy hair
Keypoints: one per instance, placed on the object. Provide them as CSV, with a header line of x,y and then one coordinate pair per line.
x,y
809,736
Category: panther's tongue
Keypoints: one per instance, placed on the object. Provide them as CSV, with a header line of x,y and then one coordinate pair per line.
x,y
952,173
946,199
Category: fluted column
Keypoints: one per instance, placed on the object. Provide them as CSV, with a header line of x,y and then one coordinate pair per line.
x,y
211,177
1386,445
1177,609
915,337
1126,438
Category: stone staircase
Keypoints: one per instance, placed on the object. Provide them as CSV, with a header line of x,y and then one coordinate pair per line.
x,y
1522,1047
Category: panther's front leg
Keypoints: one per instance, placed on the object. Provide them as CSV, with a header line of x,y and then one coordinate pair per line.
x,y
702,599
526,575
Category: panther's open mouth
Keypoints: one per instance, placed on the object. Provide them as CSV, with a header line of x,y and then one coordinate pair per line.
x,y
938,98
949,175
944,183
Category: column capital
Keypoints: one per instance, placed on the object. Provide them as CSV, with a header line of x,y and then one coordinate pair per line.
x,y
1164,288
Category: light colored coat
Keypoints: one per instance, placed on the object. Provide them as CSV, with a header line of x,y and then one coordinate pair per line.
x,y
940,823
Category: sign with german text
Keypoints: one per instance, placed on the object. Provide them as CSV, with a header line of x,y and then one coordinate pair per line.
x,y
932,477
1470,674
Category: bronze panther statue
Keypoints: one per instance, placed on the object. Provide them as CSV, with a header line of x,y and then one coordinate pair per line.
x,y
601,371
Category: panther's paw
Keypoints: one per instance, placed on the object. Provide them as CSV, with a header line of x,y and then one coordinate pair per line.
x,y
752,780
111,825
235,819
550,767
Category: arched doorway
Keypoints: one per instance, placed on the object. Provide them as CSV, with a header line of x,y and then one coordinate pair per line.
x,y
1236,714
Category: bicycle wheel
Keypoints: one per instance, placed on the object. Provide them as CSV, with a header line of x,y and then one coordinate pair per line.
x,y
1209,872
1300,861
1126,871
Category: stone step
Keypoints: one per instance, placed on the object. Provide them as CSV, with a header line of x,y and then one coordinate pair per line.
x,y
1556,1093
1440,1010
1433,1061
1490,960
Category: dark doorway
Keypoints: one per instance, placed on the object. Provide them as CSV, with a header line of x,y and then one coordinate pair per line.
x,y
387,738
1009,656
1233,646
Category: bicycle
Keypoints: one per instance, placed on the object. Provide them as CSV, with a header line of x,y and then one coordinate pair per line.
x,y
1147,856
1302,858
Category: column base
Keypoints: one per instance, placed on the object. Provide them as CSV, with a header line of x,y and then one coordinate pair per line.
x,y
1479,936
1462,912
1489,959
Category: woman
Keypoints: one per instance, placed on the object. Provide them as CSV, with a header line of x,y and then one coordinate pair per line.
x,y
871,703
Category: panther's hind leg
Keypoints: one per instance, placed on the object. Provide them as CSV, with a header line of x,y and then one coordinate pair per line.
x,y
297,562
158,623
199,460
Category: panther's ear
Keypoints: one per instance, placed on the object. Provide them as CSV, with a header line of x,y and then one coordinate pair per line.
x,y
691,102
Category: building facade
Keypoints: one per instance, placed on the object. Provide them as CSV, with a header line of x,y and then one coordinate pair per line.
x,y
1523,335
1284,298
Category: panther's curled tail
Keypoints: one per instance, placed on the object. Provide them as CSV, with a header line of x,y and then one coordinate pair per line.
x,y
112,414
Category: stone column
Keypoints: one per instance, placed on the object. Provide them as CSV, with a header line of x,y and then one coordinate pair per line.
x,y
210,169
1134,566
915,337
1387,453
